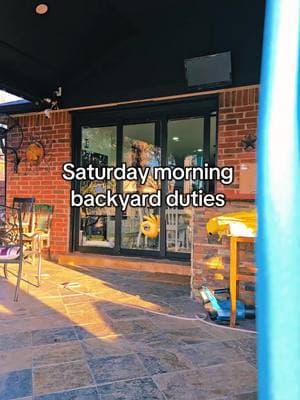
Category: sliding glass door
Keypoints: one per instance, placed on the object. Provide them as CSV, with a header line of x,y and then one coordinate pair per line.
x,y
174,139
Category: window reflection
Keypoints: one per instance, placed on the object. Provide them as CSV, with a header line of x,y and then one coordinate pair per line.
x,y
140,226
97,225
184,149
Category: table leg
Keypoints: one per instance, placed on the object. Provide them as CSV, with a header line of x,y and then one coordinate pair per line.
x,y
233,282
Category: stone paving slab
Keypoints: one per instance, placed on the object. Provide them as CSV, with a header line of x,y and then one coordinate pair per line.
x,y
16,384
136,389
77,394
214,382
161,361
59,377
57,353
210,353
109,345
54,335
15,360
116,368
12,341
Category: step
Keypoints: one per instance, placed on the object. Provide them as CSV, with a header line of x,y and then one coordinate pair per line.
x,y
164,266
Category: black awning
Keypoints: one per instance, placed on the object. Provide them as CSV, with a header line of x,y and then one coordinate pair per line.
x,y
108,50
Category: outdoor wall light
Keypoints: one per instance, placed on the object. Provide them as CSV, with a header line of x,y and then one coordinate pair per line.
x,y
41,9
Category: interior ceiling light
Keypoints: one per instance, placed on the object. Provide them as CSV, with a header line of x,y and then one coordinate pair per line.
x,y
175,138
41,9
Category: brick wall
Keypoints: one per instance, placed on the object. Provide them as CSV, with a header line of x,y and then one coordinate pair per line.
x,y
210,257
44,182
237,119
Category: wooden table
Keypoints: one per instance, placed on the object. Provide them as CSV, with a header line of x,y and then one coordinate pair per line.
x,y
235,276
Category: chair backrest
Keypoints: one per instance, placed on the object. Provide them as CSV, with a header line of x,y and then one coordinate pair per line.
x,y
171,216
43,217
10,226
25,204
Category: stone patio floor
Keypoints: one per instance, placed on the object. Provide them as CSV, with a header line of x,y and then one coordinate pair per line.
x,y
89,342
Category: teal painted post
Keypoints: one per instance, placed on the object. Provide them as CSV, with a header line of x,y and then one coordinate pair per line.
x,y
278,203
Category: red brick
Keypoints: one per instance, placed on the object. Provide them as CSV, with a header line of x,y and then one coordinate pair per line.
x,y
234,127
244,108
221,100
250,120
232,150
233,115
233,97
226,145
245,96
228,122
227,99
251,114
227,110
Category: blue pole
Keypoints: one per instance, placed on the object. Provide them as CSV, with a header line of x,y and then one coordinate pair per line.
x,y
278,203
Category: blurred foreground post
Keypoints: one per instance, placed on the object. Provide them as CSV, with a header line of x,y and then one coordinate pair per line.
x,y
278,202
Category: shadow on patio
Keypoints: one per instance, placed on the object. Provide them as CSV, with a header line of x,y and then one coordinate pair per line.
x,y
90,342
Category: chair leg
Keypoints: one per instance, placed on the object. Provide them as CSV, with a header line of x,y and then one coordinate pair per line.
x,y
5,271
46,243
39,268
33,258
18,280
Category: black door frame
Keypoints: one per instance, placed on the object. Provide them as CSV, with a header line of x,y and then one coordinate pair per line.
x,y
160,113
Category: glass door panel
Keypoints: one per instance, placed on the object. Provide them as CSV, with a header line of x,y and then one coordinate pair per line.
x,y
140,226
185,148
97,225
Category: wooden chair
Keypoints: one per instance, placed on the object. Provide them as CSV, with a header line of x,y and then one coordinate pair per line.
x,y
176,230
42,220
31,239
25,204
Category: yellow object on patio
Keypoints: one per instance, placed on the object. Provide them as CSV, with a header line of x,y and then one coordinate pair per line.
x,y
242,223
150,226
